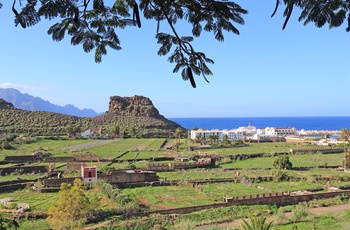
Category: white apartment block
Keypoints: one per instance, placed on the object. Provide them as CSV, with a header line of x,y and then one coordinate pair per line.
x,y
280,132
231,134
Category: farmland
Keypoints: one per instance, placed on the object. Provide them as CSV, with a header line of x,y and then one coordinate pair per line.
x,y
188,187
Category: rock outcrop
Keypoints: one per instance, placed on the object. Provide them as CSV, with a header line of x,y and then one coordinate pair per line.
x,y
138,106
136,112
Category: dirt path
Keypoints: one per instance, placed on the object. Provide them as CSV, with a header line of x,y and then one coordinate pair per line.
x,y
89,145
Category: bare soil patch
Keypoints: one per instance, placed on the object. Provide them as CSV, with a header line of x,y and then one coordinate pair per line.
x,y
143,201
89,145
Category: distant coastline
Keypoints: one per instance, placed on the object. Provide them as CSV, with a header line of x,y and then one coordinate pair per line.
x,y
305,123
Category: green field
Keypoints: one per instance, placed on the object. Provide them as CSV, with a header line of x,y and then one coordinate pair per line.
x,y
138,153
311,160
169,196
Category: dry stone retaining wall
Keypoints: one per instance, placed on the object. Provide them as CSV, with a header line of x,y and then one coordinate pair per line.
x,y
315,150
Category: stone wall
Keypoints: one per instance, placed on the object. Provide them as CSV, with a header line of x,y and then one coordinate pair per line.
x,y
25,169
20,159
87,158
59,159
129,176
280,198
113,177
11,187
314,150
181,165
58,181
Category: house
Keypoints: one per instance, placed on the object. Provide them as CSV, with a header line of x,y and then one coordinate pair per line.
x,y
232,135
86,134
89,174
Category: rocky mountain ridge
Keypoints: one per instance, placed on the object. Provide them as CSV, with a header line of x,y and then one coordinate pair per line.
x,y
28,102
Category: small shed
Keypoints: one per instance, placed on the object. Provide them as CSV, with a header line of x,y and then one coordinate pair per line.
x,y
89,173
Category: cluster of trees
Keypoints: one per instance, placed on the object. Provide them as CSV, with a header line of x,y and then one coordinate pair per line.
x,y
73,207
132,131
94,24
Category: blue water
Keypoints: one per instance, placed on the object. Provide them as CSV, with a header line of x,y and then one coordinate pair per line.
x,y
306,123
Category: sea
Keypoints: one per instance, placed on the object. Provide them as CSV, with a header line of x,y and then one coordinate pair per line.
x,y
306,123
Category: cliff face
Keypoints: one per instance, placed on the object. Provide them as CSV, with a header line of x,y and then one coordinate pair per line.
x,y
136,112
137,106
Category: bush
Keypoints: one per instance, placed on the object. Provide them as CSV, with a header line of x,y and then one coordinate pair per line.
x,y
6,145
282,162
279,175
299,212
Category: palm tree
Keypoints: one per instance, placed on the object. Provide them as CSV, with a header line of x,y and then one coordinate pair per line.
x,y
211,138
225,139
345,134
178,132
257,223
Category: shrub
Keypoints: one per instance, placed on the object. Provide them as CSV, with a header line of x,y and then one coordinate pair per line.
x,y
6,145
279,175
282,162
299,212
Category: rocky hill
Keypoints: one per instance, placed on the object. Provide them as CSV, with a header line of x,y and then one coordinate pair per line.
x,y
134,116
136,106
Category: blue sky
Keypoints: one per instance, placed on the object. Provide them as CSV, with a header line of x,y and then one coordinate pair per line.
x,y
301,71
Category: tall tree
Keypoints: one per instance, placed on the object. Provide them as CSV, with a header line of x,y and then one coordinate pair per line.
x,y
178,132
93,24
71,209
345,135
225,139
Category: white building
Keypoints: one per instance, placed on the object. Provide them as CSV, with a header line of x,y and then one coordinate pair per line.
x,y
234,134
205,134
248,130
280,131
86,134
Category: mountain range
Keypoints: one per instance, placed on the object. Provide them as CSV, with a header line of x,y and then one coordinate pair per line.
x,y
31,103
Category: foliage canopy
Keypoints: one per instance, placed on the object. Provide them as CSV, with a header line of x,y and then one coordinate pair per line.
x,y
282,162
93,23
72,207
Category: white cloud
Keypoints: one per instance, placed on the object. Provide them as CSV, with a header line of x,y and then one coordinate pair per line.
x,y
22,88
